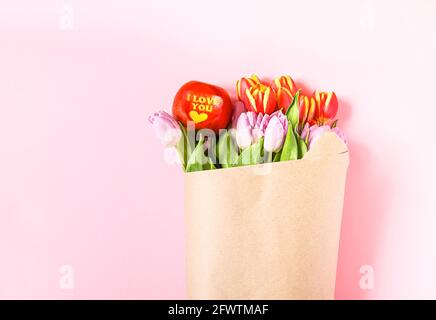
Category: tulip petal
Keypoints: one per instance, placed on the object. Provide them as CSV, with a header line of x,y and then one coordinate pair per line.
x,y
250,103
303,109
274,135
166,128
311,111
269,101
242,85
285,82
284,99
326,107
331,106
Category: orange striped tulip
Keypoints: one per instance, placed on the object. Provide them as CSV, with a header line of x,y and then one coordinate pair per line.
x,y
285,82
306,109
261,99
256,96
284,99
326,107
244,84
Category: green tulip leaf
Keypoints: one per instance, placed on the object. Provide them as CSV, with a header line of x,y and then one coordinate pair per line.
x,y
293,113
290,147
302,148
276,157
198,161
227,150
251,155
183,147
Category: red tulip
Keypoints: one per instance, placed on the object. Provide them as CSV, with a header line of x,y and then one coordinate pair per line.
x,y
306,108
244,84
285,82
256,96
326,107
261,99
284,99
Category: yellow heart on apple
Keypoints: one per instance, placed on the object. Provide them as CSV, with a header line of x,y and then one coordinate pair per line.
x,y
197,117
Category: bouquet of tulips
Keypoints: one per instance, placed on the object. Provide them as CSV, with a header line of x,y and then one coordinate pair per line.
x,y
268,122
267,231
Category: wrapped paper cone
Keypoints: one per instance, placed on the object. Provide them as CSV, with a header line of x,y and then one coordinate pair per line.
x,y
267,231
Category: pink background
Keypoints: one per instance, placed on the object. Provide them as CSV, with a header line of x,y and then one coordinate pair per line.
x,y
83,181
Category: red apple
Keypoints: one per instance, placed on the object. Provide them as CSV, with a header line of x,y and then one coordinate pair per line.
x,y
206,105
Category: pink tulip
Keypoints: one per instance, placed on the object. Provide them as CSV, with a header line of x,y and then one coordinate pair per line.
x,y
315,132
238,108
250,127
167,129
275,132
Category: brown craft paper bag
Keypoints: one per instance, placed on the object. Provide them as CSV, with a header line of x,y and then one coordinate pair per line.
x,y
267,231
